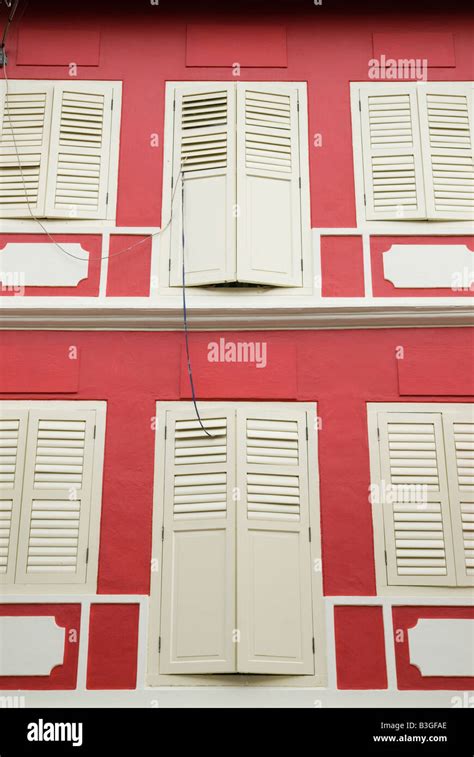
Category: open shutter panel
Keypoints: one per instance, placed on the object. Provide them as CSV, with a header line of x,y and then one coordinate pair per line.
x,y
269,234
198,600
414,497
80,151
393,171
446,117
204,158
54,527
273,550
13,426
25,123
459,436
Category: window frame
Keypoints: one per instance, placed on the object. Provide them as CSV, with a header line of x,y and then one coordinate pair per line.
x,y
392,226
308,252
153,676
26,223
90,584
382,584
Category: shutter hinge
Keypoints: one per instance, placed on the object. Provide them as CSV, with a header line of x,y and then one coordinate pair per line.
x,y
309,532
385,553
378,433
301,263
307,432
166,427
365,199
162,533
107,198
174,105
112,103
87,555
172,182
299,181
159,645
95,429
169,269
360,106
314,646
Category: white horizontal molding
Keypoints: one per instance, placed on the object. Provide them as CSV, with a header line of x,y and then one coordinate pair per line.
x,y
17,313
426,266
30,646
442,646
43,264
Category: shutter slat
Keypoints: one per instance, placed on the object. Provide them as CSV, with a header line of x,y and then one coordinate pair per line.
x,y
13,427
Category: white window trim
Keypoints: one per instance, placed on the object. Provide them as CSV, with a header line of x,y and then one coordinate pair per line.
x,y
390,227
383,588
153,677
307,288
22,225
90,585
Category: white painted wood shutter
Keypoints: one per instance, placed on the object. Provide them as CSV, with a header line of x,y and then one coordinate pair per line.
x,y
447,134
392,157
459,436
269,232
13,427
54,526
80,150
25,127
204,157
274,609
415,500
198,583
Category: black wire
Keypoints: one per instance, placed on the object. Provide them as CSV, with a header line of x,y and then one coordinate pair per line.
x,y
185,316
7,25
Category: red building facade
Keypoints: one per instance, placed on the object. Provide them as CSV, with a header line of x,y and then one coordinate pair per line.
x,y
341,475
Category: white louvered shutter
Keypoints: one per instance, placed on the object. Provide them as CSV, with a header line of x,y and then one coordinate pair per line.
x,y
13,426
204,157
392,158
459,436
25,124
269,232
274,607
80,150
447,132
415,500
54,527
198,586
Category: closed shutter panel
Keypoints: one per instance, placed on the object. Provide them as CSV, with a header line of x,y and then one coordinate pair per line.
x,y
446,117
393,171
54,528
198,601
80,151
269,233
273,551
13,425
204,153
459,435
25,123
414,497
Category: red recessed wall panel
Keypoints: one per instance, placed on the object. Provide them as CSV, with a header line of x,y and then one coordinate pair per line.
x,y
437,48
255,45
129,269
113,646
420,372
48,369
63,676
360,648
409,676
342,266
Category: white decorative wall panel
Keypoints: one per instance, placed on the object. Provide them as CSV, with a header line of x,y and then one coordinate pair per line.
x,y
30,646
429,265
442,646
39,264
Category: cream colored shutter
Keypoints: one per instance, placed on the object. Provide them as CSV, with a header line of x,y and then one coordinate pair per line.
x,y
415,501
13,426
54,527
198,581
446,117
393,171
459,436
269,234
273,550
204,153
80,150
25,124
